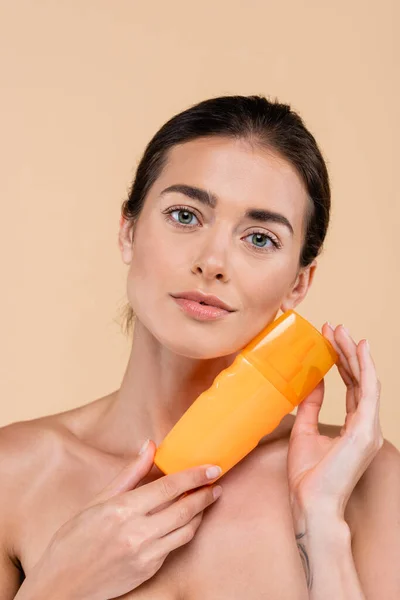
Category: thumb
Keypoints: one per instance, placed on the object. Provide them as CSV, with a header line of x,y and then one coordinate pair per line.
x,y
308,410
129,477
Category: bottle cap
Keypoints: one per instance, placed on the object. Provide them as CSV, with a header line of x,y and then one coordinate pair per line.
x,y
292,354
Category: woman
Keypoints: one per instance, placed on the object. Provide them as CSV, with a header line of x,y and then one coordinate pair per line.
x,y
231,199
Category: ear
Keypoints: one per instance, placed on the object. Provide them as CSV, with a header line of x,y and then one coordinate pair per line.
x,y
125,239
300,287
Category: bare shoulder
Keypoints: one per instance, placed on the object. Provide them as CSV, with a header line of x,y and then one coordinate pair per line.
x,y
30,450
378,490
22,443
27,439
26,448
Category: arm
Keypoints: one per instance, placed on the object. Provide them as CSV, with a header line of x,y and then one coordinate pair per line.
x,y
324,544
367,567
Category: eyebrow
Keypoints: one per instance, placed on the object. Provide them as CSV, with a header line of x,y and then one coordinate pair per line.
x,y
211,200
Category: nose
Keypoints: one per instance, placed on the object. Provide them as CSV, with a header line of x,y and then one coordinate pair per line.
x,y
209,272
211,261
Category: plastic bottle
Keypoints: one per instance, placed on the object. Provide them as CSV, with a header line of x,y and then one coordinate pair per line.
x,y
269,377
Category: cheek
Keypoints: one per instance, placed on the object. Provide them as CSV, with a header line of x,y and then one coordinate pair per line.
x,y
153,263
264,288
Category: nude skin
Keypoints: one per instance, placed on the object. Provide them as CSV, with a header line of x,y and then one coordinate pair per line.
x,y
166,370
245,546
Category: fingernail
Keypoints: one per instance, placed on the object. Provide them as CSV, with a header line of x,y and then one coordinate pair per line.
x,y
217,491
367,345
329,325
345,329
213,472
143,448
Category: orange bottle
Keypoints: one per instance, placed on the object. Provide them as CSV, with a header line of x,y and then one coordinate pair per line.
x,y
269,377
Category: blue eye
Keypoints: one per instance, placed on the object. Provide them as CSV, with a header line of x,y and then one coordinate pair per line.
x,y
267,237
186,214
185,221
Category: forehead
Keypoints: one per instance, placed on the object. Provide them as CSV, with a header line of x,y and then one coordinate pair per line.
x,y
239,174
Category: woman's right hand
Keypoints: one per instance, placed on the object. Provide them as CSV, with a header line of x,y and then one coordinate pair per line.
x,y
122,537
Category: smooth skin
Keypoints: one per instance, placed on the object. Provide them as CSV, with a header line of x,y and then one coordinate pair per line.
x,y
54,467
124,534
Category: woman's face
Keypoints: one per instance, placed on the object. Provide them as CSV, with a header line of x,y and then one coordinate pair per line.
x,y
218,250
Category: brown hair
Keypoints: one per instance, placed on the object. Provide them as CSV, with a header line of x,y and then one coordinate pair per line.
x,y
266,123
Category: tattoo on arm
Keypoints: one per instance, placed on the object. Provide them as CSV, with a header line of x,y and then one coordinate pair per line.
x,y
304,560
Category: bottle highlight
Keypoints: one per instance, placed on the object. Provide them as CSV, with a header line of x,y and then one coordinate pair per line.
x,y
270,376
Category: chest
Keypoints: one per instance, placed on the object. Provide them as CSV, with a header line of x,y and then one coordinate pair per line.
x,y
245,546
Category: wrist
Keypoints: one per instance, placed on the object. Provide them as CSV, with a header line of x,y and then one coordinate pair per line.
x,y
322,523
319,513
31,590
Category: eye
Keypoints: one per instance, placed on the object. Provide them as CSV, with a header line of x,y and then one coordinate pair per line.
x,y
184,220
256,235
184,216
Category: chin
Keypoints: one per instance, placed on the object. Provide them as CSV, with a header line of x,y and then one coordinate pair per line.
x,y
204,345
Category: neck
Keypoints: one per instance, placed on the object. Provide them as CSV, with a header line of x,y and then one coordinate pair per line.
x,y
157,388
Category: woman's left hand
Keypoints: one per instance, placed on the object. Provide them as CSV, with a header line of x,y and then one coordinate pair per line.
x,y
323,471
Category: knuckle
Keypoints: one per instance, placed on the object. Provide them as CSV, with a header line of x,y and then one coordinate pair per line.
x,y
120,513
150,564
157,532
128,543
188,533
143,565
184,513
195,478
133,543
110,513
169,488
200,477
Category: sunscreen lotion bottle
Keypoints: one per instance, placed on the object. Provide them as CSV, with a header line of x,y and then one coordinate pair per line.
x,y
269,377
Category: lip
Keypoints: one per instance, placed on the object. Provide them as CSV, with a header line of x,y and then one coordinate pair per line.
x,y
201,312
208,299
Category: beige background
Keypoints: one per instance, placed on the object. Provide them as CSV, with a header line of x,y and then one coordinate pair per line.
x,y
86,83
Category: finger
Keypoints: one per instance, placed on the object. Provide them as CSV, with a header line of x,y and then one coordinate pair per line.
x,y
128,478
308,410
181,512
178,537
168,488
349,349
343,366
351,403
370,386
